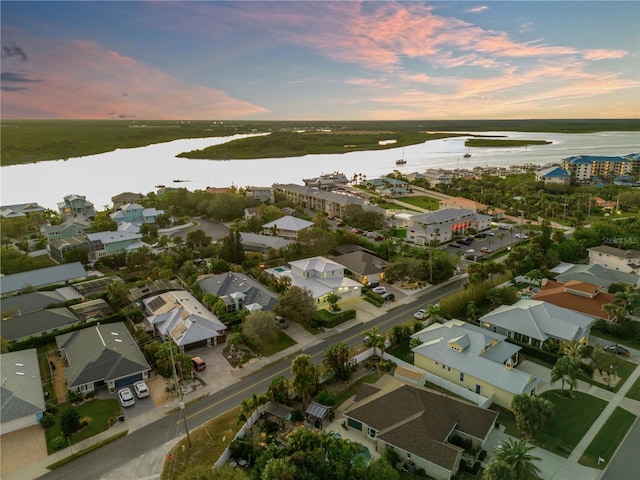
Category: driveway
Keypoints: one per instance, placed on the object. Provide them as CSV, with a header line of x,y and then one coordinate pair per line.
x,y
14,453
212,228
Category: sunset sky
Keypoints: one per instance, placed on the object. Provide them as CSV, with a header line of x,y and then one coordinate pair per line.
x,y
325,60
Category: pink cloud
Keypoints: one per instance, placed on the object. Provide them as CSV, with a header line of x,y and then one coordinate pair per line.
x,y
602,54
95,83
478,9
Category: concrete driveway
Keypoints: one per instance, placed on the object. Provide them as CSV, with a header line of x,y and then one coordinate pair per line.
x,y
13,453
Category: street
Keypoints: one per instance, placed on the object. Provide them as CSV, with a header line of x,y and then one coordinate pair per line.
x,y
99,463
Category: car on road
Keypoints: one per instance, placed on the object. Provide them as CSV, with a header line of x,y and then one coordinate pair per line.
x,y
618,350
454,245
521,235
379,290
420,314
491,233
126,397
481,235
141,389
282,323
486,250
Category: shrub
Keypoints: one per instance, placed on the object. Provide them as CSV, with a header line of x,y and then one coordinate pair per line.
x,y
52,407
326,398
483,455
297,415
58,442
47,420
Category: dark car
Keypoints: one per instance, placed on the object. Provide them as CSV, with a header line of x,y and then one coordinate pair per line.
x,y
618,350
481,235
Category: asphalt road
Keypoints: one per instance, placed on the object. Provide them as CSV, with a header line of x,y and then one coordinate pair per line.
x,y
101,462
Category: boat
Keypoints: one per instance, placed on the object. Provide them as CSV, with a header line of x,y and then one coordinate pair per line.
x,y
468,154
180,181
401,161
160,186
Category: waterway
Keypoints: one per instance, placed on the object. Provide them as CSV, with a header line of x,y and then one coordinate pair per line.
x,y
100,177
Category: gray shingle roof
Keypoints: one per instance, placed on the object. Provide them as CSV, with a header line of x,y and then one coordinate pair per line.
x,y
21,393
36,323
41,277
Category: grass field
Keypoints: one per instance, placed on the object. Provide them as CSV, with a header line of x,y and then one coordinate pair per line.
x,y
27,141
634,391
572,419
96,412
608,438
428,203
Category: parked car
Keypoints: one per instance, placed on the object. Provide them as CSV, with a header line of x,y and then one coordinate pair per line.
x,y
141,389
420,314
388,296
521,235
618,350
126,397
379,290
282,323
486,250
491,233
481,235
198,364
454,245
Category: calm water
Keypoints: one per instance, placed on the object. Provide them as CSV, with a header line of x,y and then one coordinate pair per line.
x,y
99,177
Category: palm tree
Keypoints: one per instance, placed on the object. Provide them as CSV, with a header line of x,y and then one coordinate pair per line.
x,y
566,369
434,312
305,378
573,349
375,341
501,237
517,455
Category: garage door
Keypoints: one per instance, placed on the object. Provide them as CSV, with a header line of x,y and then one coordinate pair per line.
x,y
121,382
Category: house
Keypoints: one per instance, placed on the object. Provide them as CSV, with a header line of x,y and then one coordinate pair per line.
x,y
179,317
598,275
239,291
20,210
124,198
577,296
533,322
419,425
364,266
262,194
72,227
22,401
473,358
627,261
255,242
76,205
328,181
331,203
322,276
553,175
42,277
17,328
30,302
437,177
135,214
250,212
97,245
287,227
389,186
442,225
101,355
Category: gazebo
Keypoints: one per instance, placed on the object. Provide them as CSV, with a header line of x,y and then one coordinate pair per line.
x,y
316,415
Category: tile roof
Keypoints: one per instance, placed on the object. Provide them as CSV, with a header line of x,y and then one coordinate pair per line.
x,y
560,294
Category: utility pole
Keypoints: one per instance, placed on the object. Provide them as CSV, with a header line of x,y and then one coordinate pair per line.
x,y
182,405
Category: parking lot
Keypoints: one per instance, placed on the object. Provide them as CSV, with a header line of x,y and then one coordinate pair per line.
x,y
495,240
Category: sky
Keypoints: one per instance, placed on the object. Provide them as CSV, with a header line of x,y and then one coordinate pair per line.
x,y
326,60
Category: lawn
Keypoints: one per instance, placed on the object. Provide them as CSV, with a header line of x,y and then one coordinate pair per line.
x,y
402,351
608,438
207,444
634,391
281,342
428,203
572,419
45,372
96,412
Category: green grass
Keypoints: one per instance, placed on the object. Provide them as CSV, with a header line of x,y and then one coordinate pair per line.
x,y
45,372
427,203
625,369
90,449
634,391
488,142
96,411
281,342
572,419
402,351
631,343
608,438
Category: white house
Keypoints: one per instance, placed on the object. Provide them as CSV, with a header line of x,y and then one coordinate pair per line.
x,y
627,261
442,225
321,277
288,227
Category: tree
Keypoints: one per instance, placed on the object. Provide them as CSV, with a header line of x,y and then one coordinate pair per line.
x,y
278,390
297,304
248,406
566,369
333,299
260,328
305,378
70,421
434,312
118,294
198,238
532,413
232,248
336,359
163,360
516,454
103,223
472,311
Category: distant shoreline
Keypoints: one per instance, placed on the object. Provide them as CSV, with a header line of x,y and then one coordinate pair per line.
x,y
33,141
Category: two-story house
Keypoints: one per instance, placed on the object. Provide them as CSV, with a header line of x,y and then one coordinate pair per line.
x,y
76,206
613,258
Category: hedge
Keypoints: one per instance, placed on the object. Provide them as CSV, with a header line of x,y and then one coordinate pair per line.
x,y
326,319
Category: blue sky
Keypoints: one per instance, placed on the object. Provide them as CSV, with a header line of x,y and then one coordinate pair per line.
x,y
325,60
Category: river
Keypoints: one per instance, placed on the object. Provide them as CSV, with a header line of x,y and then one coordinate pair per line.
x,y
100,177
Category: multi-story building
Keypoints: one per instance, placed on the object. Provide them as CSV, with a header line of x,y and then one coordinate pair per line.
x,y
76,205
615,258
329,181
442,225
98,245
583,167
333,204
